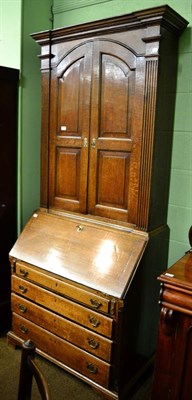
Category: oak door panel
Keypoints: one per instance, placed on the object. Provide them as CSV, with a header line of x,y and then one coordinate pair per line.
x,y
113,174
113,142
69,130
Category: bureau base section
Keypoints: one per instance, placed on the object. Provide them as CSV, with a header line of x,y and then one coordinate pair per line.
x,y
15,340
84,366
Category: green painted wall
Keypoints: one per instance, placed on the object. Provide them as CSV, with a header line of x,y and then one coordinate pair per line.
x,y
36,16
19,18
10,33
71,12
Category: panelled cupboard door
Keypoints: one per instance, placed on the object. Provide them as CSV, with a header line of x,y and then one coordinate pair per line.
x,y
94,147
69,129
112,181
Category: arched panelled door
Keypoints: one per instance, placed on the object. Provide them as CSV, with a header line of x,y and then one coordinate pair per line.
x,y
94,143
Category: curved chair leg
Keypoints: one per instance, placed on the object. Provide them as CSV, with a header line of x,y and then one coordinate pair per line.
x,y
28,370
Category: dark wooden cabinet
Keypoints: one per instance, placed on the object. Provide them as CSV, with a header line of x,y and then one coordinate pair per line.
x,y
172,375
8,178
87,261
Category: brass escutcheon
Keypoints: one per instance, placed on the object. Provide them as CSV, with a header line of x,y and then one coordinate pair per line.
x,y
79,228
85,142
93,143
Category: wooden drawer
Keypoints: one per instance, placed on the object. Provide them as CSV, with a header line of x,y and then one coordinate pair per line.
x,y
60,286
177,299
63,351
68,330
75,312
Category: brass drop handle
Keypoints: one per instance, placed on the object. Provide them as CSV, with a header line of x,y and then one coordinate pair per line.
x,y
22,308
92,368
95,303
93,321
93,143
22,289
23,328
23,272
92,343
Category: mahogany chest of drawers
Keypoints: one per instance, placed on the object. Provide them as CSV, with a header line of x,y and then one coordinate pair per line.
x,y
172,376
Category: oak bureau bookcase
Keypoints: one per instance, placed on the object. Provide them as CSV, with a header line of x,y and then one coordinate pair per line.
x,y
84,268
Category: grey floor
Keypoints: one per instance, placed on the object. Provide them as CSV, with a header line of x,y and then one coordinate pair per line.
x,y
63,385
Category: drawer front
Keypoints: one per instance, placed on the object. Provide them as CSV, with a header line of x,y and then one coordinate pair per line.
x,y
68,330
59,286
75,312
177,300
75,358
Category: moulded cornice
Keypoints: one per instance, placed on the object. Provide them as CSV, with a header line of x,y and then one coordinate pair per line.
x,y
163,16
